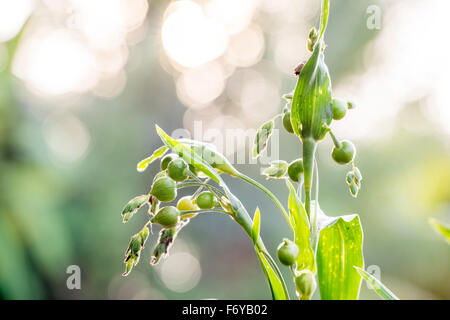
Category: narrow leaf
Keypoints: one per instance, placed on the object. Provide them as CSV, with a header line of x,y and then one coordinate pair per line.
x,y
188,155
133,206
262,137
256,226
339,250
302,231
441,228
275,284
324,18
158,153
209,153
376,284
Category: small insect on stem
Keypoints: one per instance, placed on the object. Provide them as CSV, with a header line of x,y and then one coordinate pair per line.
x,y
299,68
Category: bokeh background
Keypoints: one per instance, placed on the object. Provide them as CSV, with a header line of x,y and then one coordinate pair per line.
x,y
82,84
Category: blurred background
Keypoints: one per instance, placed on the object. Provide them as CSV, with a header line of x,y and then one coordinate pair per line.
x,y
82,84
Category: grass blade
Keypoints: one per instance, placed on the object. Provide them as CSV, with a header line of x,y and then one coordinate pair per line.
x,y
256,226
376,284
158,153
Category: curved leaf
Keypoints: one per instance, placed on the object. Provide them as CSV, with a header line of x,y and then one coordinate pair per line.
x,y
376,284
324,17
158,153
256,226
339,249
275,284
302,231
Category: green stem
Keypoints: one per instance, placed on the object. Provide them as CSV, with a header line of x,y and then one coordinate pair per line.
x,y
336,142
188,212
270,194
309,151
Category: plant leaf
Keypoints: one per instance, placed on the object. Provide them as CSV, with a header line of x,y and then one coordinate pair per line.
x,y
324,18
256,226
275,285
262,137
302,232
311,110
188,155
440,228
277,169
376,284
158,153
133,206
209,154
339,249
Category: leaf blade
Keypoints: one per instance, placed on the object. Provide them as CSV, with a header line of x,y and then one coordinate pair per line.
x,y
256,226
376,284
302,232
338,250
275,284
158,153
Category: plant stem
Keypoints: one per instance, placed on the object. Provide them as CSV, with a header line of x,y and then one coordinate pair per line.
x,y
270,194
188,212
309,150
336,142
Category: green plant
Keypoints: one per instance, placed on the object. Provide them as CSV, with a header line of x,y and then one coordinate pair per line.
x,y
322,247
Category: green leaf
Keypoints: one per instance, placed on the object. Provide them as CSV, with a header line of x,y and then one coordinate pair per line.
x,y
188,155
256,226
339,249
302,231
209,154
275,284
311,110
277,169
324,18
133,206
440,228
376,284
158,153
262,137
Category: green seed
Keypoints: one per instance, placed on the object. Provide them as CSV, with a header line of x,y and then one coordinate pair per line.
x,y
345,154
164,189
339,108
287,252
185,204
306,284
167,217
205,200
166,160
295,170
177,169
287,122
